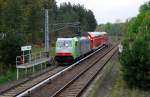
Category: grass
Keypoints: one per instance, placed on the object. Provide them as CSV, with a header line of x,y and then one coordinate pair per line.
x,y
23,73
52,51
10,74
37,49
7,76
121,89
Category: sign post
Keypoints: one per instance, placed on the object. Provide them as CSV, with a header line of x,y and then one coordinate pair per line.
x,y
23,57
26,48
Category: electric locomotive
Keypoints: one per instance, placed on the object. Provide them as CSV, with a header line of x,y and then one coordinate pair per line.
x,y
68,50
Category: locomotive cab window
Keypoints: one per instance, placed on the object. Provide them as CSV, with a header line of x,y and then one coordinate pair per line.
x,y
64,44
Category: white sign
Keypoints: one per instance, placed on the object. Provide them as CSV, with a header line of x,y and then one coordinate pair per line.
x,y
25,48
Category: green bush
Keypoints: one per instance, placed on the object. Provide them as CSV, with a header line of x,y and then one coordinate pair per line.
x,y
136,63
10,48
135,58
7,76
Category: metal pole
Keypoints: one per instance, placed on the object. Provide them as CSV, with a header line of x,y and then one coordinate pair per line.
x,y
17,68
29,56
23,58
17,73
46,31
41,67
26,71
45,65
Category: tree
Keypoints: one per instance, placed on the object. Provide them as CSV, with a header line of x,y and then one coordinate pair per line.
x,y
76,13
10,48
12,16
135,58
113,28
145,7
35,20
91,20
135,63
26,17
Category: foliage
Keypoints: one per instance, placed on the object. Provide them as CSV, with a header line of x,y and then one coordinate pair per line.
x,y
9,75
10,48
77,13
135,63
120,88
145,7
114,28
23,16
135,58
27,17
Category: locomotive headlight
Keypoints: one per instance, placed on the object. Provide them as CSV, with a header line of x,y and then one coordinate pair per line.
x,y
66,44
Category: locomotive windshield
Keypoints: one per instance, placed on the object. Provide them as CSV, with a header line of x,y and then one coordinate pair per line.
x,y
64,44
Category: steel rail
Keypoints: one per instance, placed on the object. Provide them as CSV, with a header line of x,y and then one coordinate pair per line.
x,y
75,78
27,79
28,91
31,79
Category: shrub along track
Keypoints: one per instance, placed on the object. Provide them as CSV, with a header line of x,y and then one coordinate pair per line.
x,y
72,82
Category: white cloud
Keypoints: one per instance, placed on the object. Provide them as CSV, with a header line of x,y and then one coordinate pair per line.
x,y
110,10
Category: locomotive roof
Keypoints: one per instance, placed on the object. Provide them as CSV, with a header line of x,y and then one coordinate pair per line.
x,y
93,34
64,38
74,38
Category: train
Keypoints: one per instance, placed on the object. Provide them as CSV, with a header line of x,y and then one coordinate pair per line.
x,y
69,50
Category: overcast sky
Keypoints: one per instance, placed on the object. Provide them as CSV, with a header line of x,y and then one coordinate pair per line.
x,y
110,10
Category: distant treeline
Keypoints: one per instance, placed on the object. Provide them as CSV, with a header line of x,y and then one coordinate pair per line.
x,y
27,17
114,29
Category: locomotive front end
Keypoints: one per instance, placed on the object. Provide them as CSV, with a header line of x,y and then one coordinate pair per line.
x,y
63,53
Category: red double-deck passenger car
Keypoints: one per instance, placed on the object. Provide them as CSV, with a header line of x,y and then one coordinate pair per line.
x,y
98,39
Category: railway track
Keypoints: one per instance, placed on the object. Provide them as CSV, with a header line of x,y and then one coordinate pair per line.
x,y
77,85
55,78
16,89
69,81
